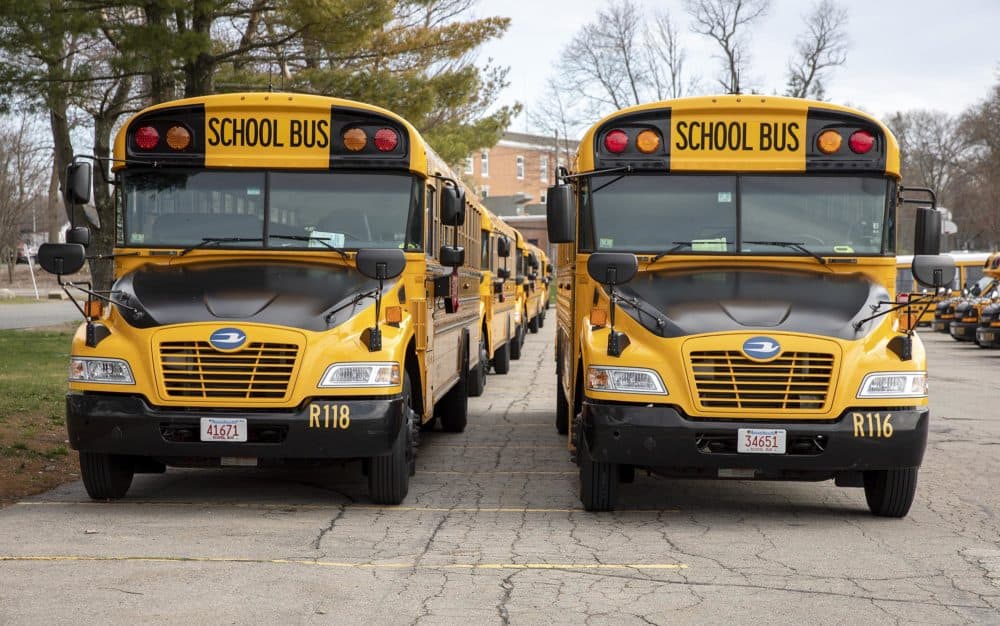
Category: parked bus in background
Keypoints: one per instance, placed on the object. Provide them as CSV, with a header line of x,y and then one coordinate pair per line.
x,y
291,288
498,292
536,288
968,269
966,308
977,281
726,299
520,252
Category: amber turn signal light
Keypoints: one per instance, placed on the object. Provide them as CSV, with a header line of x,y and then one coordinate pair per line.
x,y
93,308
178,137
393,314
648,141
598,317
355,139
829,141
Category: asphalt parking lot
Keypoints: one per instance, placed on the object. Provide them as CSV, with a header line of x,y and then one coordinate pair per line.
x,y
492,533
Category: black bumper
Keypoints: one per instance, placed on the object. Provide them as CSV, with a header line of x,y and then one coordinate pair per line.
x,y
988,336
659,437
963,331
121,424
941,325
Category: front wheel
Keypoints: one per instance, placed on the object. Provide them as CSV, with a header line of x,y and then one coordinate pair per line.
x,y
516,342
533,325
501,358
598,484
477,375
562,408
389,474
890,492
106,476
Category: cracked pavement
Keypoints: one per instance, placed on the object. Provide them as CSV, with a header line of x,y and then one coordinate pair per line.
x,y
492,533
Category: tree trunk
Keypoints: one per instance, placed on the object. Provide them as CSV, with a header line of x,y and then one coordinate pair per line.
x,y
56,213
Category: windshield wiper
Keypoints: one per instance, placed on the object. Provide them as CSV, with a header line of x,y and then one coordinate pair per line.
x,y
310,239
678,245
793,245
205,241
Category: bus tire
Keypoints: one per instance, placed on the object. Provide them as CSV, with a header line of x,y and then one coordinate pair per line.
x,y
389,474
106,476
562,408
477,375
453,409
890,492
516,342
598,480
541,319
534,325
501,358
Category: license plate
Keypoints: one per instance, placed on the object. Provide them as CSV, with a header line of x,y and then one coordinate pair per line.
x,y
223,429
761,441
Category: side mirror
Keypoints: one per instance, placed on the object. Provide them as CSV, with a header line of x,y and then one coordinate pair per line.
x,y
451,256
380,263
519,280
927,232
935,270
80,235
559,214
548,268
452,206
503,247
612,268
61,258
974,290
533,260
503,273
78,183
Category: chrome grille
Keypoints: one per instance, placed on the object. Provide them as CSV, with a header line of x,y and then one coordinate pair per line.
x,y
194,369
726,379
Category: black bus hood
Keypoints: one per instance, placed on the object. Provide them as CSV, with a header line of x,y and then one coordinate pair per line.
x,y
691,302
297,295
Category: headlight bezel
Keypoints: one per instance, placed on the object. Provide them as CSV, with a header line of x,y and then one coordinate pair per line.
x,y
394,378
912,378
616,386
80,370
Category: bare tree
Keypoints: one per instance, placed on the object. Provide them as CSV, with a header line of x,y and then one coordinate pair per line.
x,y
603,61
555,117
725,22
23,179
666,56
822,47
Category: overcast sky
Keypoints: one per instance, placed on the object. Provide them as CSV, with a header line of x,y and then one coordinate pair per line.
x,y
904,54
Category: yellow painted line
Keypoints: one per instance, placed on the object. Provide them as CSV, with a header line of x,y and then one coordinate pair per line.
x,y
326,507
347,564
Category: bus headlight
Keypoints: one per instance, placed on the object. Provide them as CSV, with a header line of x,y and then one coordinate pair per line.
x,y
624,380
107,371
361,375
894,385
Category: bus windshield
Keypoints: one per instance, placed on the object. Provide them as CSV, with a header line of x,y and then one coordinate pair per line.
x,y
736,214
272,209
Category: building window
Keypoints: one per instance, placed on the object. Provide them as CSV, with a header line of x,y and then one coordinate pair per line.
x,y
484,191
541,197
543,169
484,163
520,167
468,165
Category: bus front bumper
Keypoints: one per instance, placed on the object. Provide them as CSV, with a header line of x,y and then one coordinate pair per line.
x,y
128,425
988,336
941,324
660,438
963,331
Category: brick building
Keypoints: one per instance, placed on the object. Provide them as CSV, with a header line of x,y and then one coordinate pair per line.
x,y
520,168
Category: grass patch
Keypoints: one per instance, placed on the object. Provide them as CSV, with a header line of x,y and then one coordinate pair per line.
x,y
33,368
25,300
34,455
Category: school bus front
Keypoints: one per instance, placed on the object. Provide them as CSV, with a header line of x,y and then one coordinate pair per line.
x,y
725,277
280,297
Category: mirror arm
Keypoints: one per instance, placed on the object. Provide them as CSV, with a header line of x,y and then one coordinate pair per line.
x,y
375,335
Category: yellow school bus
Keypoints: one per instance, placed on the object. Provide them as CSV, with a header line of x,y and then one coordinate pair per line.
x,y
291,288
726,303
498,292
975,280
968,270
536,288
520,252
